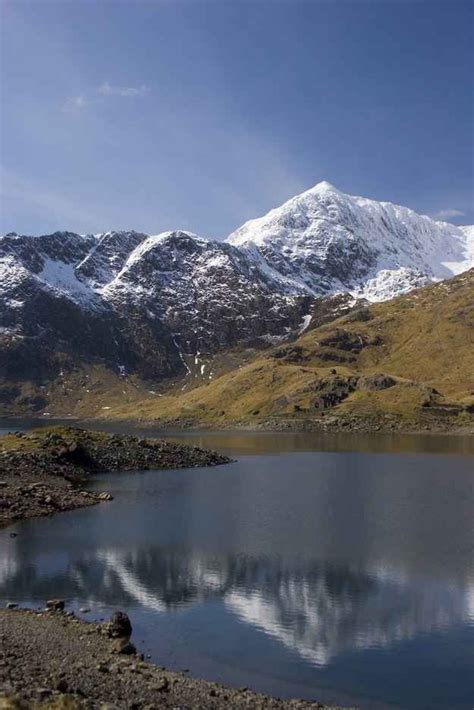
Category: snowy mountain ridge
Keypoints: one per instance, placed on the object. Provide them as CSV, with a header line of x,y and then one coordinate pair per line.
x,y
159,304
319,242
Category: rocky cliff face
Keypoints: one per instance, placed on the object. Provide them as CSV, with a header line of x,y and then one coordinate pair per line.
x,y
210,295
150,305
156,305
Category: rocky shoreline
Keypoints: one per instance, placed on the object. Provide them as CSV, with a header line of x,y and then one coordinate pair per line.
x,y
45,471
52,659
383,424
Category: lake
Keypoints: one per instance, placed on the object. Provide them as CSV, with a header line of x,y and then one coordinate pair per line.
x,y
331,567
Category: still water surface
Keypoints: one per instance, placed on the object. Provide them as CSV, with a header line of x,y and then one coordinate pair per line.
x,y
311,567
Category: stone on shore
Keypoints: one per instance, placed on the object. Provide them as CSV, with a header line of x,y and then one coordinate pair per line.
x,y
55,604
120,626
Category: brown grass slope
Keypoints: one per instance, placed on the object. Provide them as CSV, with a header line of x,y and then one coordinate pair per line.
x,y
408,360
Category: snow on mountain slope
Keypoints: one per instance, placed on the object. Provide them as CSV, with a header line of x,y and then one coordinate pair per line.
x,y
209,294
107,257
329,241
46,263
320,242
157,303
163,302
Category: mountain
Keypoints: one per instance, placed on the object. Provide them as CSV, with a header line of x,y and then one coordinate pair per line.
x,y
407,362
142,303
324,241
129,309
154,307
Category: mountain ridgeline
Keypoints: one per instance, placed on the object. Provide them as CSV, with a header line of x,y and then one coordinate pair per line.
x,y
92,322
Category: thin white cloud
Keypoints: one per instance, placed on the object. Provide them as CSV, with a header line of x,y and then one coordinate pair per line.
x,y
76,103
82,101
448,213
107,89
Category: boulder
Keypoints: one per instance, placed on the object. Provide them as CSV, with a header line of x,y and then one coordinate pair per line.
x,y
105,496
332,391
120,626
290,353
377,381
55,604
123,646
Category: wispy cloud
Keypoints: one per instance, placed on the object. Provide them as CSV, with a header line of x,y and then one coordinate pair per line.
x,y
82,101
76,103
449,213
107,89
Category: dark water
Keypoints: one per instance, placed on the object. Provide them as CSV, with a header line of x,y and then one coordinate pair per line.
x,y
248,442
338,574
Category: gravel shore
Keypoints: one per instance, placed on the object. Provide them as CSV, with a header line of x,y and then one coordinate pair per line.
x,y
52,659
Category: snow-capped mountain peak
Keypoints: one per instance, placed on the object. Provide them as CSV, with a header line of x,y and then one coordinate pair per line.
x,y
324,186
331,242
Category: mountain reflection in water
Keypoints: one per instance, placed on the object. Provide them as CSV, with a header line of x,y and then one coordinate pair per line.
x,y
317,610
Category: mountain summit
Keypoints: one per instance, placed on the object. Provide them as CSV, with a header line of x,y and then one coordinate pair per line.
x,y
327,241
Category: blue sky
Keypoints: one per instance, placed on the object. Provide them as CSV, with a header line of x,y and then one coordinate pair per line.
x,y
199,115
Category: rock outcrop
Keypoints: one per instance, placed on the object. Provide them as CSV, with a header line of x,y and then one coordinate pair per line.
x,y
42,471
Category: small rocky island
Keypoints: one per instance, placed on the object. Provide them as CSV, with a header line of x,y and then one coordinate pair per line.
x,y
45,471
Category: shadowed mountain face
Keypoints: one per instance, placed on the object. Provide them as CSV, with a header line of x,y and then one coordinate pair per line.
x,y
136,303
152,305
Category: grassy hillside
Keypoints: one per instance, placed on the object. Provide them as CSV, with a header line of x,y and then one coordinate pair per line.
x,y
409,360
